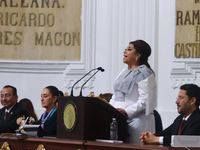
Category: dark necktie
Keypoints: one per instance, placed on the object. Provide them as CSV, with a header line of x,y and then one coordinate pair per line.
x,y
180,127
5,115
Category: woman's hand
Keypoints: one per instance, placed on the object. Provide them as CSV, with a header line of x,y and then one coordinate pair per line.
x,y
121,111
19,120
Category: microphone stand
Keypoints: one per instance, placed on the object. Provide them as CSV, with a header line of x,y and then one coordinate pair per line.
x,y
80,80
88,80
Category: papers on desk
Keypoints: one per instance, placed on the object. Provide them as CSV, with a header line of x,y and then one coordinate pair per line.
x,y
185,141
109,141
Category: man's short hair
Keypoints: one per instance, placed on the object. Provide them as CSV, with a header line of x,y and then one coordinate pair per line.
x,y
192,90
13,89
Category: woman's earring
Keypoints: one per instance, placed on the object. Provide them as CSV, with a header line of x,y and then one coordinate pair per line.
x,y
136,59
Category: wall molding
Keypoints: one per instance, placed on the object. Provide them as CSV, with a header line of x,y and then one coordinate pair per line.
x,y
185,74
33,67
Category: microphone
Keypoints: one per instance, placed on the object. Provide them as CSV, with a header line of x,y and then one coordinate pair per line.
x,y
98,69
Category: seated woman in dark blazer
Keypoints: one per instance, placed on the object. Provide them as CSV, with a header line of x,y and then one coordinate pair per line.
x,y
48,120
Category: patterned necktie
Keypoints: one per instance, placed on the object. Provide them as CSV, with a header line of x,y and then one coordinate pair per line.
x,y
180,127
5,115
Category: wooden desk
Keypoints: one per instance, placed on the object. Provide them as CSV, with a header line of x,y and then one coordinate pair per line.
x,y
49,144
65,144
92,145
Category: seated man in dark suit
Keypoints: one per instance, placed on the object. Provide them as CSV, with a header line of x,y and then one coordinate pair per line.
x,y
187,123
11,110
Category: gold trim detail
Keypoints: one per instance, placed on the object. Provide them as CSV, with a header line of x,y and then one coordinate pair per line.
x,y
41,147
5,146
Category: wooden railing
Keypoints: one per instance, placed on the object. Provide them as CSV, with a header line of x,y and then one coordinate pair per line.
x,y
15,143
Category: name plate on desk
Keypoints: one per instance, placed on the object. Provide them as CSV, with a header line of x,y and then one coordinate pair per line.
x,y
31,130
185,141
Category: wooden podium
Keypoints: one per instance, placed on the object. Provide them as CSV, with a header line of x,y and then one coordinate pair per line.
x,y
87,118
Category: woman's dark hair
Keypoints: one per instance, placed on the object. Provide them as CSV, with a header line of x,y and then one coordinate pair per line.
x,y
53,90
61,93
144,49
27,104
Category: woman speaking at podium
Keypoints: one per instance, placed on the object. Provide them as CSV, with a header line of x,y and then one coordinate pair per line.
x,y
48,120
135,91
